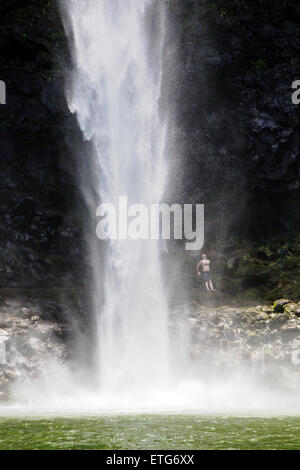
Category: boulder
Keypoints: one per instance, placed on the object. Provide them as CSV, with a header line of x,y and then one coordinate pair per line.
x,y
290,308
279,305
296,310
266,309
34,318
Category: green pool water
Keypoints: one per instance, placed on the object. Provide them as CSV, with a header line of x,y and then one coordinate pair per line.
x,y
150,432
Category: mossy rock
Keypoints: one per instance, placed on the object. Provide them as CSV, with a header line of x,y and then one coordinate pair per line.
x,y
296,311
267,309
279,304
290,308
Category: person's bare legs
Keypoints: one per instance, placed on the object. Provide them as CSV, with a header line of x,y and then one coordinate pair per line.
x,y
211,286
207,286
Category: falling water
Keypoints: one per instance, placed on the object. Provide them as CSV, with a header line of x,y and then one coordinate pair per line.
x,y
115,94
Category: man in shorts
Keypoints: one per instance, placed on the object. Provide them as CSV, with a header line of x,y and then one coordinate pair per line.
x,y
204,264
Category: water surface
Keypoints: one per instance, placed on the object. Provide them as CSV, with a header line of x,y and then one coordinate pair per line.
x,y
150,432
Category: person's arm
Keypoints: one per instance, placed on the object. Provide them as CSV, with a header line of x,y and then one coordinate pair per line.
x,y
198,268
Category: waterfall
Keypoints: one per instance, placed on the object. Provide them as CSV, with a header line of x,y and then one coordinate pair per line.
x,y
115,93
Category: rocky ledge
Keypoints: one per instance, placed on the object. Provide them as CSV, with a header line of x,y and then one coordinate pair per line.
x,y
263,340
26,341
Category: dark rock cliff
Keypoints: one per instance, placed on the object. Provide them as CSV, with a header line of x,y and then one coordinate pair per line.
x,y
236,64
238,134
40,228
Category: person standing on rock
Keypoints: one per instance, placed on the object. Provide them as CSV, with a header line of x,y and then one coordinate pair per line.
x,y
204,264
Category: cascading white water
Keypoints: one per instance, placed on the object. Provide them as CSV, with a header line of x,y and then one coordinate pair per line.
x,y
115,94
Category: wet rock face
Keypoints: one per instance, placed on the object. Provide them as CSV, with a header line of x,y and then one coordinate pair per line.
x,y
235,140
27,341
237,128
258,340
40,206
238,62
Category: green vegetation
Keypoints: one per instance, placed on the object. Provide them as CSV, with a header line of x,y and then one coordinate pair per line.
x,y
264,272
